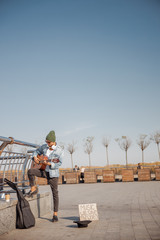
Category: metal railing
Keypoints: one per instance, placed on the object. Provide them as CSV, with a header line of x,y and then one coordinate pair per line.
x,y
14,165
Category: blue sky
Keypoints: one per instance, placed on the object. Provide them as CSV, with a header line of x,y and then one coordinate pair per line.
x,y
83,68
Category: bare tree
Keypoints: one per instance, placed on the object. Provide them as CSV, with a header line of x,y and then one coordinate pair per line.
x,y
105,142
156,138
143,143
124,143
88,147
71,149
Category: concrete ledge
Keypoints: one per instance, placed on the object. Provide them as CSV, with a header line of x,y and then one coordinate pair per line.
x,y
40,205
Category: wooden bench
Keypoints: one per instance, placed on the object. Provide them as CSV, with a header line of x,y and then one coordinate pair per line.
x,y
157,173
127,175
72,177
144,174
90,177
108,176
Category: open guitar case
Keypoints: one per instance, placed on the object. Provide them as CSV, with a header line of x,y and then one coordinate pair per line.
x,y
24,215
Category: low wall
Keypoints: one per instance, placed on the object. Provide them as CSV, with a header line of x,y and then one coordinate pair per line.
x,y
40,205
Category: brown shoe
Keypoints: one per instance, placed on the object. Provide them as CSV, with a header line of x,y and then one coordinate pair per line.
x,y
30,193
55,218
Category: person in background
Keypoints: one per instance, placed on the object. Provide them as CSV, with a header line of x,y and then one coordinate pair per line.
x,y
76,168
82,173
139,166
55,155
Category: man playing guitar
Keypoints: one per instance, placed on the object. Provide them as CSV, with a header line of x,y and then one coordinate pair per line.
x,y
49,157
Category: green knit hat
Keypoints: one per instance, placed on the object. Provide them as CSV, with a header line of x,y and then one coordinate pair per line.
x,y
51,136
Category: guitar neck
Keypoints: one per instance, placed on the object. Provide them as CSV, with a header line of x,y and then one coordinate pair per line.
x,y
43,158
49,160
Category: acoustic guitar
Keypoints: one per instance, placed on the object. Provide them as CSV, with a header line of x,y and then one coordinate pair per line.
x,y
41,164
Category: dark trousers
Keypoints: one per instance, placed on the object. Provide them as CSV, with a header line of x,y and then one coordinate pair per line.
x,y
53,182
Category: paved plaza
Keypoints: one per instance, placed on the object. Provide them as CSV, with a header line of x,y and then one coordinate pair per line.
x,y
127,211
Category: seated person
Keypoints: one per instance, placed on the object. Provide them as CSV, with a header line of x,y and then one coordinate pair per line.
x,y
76,168
139,166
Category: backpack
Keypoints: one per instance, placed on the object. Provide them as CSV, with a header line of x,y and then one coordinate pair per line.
x,y
24,215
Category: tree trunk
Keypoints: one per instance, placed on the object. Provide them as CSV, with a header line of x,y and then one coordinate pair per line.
x,y
142,158
89,160
158,151
107,156
126,160
72,162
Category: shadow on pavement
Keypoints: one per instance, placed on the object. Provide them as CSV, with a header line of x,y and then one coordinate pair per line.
x,y
72,226
74,218
48,219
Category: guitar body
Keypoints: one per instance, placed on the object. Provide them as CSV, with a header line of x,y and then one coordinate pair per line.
x,y
43,167
41,159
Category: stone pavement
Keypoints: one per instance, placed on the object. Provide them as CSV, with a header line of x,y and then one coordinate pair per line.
x,y
127,211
